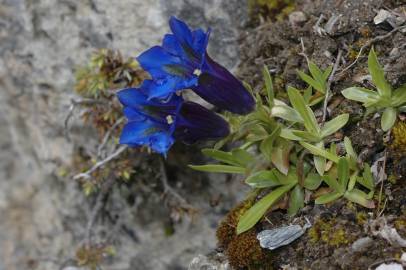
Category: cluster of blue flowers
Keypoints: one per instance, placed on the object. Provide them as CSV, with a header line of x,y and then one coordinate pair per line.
x,y
156,112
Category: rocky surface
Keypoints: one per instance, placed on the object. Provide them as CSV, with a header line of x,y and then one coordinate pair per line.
x,y
43,214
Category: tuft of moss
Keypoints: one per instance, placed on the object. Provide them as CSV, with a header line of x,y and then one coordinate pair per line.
x,y
244,251
330,233
273,10
226,231
398,144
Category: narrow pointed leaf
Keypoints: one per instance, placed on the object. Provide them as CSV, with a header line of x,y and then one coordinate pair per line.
x,y
327,198
296,200
312,82
360,197
360,94
268,85
266,145
280,155
304,110
378,75
218,168
281,110
388,118
221,156
242,157
349,149
320,152
332,183
367,177
307,136
263,179
256,212
399,96
343,174
312,181
327,72
334,125
288,134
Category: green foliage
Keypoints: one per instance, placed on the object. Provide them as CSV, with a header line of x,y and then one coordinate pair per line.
x,y
317,80
283,153
383,99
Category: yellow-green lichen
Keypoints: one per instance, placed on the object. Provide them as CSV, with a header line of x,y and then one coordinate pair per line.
x,y
274,10
399,138
330,233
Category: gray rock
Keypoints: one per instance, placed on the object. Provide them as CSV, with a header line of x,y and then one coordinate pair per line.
x,y
42,43
362,244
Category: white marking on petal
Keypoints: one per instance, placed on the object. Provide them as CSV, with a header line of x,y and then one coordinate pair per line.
x,y
197,72
169,119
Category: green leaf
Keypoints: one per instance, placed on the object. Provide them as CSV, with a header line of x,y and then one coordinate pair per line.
x,y
266,145
281,110
399,96
312,181
360,94
329,197
242,157
367,179
349,149
263,179
268,85
320,161
316,100
280,155
304,110
332,183
343,173
320,152
218,168
307,135
256,212
288,134
221,156
388,118
307,94
312,82
378,76
296,200
335,124
360,197
327,72
353,179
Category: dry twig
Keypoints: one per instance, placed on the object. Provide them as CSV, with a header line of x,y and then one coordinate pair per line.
x,y
371,42
101,163
330,80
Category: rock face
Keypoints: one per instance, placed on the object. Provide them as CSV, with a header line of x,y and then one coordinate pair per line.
x,y
42,42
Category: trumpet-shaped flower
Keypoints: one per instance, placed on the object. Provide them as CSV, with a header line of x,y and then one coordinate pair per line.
x,y
159,124
182,62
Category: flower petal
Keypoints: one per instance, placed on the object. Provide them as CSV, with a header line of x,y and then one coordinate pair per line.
x,y
155,59
219,87
195,123
180,30
147,133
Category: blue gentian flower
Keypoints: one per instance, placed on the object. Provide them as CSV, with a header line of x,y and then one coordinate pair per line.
x,y
183,63
158,124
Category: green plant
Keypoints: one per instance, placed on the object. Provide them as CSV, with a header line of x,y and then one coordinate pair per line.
x,y
384,99
317,80
283,153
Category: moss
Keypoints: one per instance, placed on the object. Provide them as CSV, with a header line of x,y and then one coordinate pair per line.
x,y
274,10
226,231
398,144
361,218
243,250
330,233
